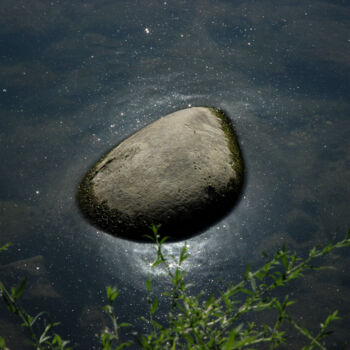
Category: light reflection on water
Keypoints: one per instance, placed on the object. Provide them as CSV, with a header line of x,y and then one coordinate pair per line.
x,y
291,122
137,258
220,243
219,255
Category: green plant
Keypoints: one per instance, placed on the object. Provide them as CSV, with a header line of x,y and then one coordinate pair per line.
x,y
44,340
197,322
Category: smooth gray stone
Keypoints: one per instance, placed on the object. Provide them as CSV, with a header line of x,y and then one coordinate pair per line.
x,y
183,171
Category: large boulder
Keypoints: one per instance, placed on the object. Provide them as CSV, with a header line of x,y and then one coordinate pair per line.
x,y
183,171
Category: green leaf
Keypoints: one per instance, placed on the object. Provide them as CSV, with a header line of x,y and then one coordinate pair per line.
x,y
2,343
247,270
332,317
34,319
154,306
285,261
157,262
306,331
108,309
230,340
165,238
148,236
327,248
125,324
183,254
252,281
58,340
155,229
211,300
157,325
312,252
8,300
5,246
112,293
246,291
148,285
124,345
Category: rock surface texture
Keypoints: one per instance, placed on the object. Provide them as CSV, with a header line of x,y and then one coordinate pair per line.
x,y
183,171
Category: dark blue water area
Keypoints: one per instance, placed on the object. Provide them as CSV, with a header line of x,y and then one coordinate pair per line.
x,y
78,78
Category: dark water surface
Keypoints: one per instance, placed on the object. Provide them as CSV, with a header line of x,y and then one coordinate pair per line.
x,y
77,77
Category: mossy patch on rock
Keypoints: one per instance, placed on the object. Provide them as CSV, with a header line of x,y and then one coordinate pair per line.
x,y
183,171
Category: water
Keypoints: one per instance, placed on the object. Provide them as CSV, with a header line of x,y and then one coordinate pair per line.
x,y
76,79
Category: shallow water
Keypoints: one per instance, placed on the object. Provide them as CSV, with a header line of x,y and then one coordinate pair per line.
x,y
76,79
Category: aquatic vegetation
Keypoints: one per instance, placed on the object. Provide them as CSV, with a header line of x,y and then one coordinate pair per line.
x,y
236,154
199,322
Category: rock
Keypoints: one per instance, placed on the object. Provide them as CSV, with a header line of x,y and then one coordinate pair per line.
x,y
15,336
35,270
183,171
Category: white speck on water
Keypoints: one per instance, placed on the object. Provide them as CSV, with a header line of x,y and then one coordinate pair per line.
x,y
147,31
37,192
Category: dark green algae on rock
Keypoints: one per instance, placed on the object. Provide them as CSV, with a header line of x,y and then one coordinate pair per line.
x,y
183,171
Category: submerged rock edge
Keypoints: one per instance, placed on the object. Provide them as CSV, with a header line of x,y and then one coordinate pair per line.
x,y
121,225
